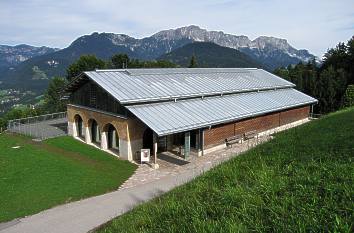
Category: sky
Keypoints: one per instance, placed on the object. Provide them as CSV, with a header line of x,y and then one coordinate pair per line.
x,y
306,24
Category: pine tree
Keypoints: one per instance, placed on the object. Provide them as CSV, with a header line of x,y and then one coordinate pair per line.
x,y
120,61
52,96
193,62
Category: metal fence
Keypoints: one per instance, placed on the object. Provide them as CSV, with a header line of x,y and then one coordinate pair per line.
x,y
40,127
315,116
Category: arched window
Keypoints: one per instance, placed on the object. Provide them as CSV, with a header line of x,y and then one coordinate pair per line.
x,y
95,132
113,138
79,126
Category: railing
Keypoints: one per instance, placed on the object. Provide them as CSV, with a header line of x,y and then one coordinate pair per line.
x,y
41,127
315,115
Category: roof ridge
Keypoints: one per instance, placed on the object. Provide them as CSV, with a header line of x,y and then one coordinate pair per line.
x,y
162,71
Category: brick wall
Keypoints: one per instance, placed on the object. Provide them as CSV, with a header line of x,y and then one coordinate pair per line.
x,y
292,115
217,134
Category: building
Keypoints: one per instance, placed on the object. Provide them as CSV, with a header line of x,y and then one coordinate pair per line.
x,y
188,111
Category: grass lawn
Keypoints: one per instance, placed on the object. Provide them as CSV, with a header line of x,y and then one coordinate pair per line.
x,y
303,180
37,176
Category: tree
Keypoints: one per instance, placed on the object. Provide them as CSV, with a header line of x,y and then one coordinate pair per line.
x,y
282,72
349,96
120,61
14,113
336,57
328,91
3,124
53,95
327,83
350,47
159,64
193,62
84,63
19,112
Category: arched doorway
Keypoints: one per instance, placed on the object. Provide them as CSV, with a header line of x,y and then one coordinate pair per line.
x,y
148,141
112,138
95,132
79,126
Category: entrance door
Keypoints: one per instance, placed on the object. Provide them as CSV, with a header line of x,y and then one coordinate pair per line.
x,y
193,139
148,139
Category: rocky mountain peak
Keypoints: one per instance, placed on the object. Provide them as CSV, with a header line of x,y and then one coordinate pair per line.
x,y
190,32
264,41
263,47
13,55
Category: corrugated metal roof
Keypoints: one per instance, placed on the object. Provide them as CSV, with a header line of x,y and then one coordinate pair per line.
x,y
171,117
144,85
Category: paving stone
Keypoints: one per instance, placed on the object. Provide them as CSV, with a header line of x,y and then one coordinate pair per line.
x,y
146,174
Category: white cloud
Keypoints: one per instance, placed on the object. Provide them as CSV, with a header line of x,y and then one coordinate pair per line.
x,y
314,25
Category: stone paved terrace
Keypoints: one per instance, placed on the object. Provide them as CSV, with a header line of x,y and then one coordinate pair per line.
x,y
145,173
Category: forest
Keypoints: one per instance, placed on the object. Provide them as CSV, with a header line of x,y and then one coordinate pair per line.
x,y
331,82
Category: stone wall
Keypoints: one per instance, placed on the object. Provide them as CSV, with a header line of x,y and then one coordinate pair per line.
x,y
130,130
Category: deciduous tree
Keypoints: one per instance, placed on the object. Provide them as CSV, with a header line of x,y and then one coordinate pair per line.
x,y
84,63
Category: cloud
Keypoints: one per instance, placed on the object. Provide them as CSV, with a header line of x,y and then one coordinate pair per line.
x,y
313,25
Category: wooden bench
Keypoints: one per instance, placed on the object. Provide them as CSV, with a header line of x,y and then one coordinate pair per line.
x,y
234,139
251,134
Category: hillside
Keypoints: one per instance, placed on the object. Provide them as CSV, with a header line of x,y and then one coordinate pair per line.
x,y
55,64
11,56
210,55
40,175
302,180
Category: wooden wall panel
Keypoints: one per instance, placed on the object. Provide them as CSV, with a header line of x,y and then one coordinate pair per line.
x,y
218,134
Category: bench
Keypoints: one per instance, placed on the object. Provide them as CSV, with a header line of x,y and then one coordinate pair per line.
x,y
251,134
234,139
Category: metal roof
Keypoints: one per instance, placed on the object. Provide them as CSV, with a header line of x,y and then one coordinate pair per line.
x,y
171,117
146,85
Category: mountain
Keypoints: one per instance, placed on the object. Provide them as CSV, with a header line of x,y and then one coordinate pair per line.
x,y
209,54
13,55
34,73
270,52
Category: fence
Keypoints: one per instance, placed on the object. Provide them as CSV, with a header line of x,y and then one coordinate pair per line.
x,y
40,127
315,116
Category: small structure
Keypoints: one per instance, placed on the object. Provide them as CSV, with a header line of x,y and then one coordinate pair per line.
x,y
185,111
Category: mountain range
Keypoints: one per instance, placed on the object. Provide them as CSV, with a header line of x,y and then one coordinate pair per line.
x,y
37,68
208,54
13,55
